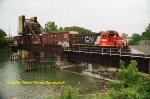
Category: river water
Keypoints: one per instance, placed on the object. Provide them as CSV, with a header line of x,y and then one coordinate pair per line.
x,y
14,71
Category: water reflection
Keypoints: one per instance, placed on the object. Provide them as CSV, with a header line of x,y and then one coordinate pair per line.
x,y
14,71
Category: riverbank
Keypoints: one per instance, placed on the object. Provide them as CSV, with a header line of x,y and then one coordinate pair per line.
x,y
131,84
5,49
94,71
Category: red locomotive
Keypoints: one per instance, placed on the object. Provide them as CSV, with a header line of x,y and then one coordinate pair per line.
x,y
110,38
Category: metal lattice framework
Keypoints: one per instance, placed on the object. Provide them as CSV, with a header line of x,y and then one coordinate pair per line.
x,y
29,27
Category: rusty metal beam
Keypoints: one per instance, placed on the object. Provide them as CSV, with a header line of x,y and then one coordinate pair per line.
x,y
107,60
54,49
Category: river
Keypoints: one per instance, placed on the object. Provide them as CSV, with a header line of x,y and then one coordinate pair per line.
x,y
14,71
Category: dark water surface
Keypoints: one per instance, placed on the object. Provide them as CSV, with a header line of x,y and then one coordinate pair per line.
x,y
15,71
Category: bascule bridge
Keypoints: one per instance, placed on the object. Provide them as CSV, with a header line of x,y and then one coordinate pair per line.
x,y
31,45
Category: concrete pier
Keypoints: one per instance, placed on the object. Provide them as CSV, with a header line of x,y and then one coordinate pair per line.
x,y
30,58
14,56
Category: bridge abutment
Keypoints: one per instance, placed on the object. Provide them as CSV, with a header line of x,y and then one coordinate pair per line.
x,y
26,54
30,59
23,54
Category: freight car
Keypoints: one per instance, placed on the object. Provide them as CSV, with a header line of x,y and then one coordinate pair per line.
x,y
17,40
65,39
109,39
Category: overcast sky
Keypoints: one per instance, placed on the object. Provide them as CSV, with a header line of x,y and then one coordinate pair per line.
x,y
125,16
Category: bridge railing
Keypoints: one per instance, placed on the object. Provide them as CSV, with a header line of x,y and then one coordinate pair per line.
x,y
103,51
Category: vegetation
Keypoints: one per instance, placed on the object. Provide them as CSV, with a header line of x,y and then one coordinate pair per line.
x,y
2,33
69,93
2,37
52,27
131,84
80,30
135,39
145,36
3,41
4,49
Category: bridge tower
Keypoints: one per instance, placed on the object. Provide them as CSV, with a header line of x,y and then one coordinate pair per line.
x,y
29,29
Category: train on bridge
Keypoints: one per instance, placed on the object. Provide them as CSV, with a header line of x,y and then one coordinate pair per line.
x,y
103,48
109,38
31,32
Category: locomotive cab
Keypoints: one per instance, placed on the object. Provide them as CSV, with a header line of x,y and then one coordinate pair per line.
x,y
110,38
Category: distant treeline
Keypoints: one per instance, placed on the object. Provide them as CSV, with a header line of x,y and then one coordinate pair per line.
x,y
3,40
52,27
144,36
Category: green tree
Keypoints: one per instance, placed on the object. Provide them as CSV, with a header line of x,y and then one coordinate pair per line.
x,y
51,27
2,33
80,30
101,31
135,39
61,29
146,34
131,83
3,41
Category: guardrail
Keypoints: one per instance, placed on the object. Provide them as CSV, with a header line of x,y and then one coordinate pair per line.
x,y
104,51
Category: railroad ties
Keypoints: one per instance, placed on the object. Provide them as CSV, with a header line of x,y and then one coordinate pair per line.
x,y
106,51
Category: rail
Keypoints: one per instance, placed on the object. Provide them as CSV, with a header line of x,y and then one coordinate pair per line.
x,y
57,49
106,51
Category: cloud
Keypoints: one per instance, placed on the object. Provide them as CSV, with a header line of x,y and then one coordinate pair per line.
x,y
123,15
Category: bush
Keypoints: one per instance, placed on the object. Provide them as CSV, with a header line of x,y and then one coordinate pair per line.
x,y
124,93
69,93
131,84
